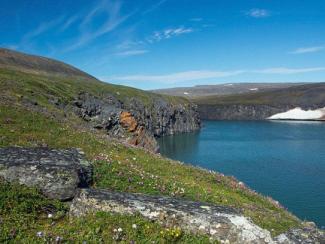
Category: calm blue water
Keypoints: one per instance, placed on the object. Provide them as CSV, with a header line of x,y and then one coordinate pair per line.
x,y
285,160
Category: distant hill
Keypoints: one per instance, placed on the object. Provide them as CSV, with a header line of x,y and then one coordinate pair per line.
x,y
261,105
223,89
307,95
37,65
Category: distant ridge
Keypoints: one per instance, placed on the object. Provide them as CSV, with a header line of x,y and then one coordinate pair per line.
x,y
223,89
14,60
307,96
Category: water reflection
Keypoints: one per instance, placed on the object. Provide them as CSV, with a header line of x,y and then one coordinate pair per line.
x,y
179,145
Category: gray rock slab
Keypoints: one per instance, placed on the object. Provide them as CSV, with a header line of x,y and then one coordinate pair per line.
x,y
221,223
56,173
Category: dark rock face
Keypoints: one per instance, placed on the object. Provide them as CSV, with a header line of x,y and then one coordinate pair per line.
x,y
163,118
57,173
240,112
307,234
220,223
135,122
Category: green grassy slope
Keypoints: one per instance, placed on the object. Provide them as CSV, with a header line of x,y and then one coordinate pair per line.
x,y
30,75
122,168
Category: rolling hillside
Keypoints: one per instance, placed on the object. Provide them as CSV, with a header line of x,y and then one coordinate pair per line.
x,y
223,89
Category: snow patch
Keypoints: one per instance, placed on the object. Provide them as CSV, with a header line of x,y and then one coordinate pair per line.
x,y
300,114
186,93
253,89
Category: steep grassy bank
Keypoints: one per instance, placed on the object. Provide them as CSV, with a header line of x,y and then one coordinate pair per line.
x,y
121,168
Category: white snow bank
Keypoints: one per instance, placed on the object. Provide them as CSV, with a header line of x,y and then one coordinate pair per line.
x,y
253,89
299,114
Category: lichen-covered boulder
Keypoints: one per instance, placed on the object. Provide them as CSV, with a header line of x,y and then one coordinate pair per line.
x,y
56,173
308,233
221,223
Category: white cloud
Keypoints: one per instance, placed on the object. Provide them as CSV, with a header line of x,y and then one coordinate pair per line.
x,y
9,46
196,19
40,29
69,22
209,74
178,77
308,50
131,53
288,71
111,10
154,7
258,13
168,33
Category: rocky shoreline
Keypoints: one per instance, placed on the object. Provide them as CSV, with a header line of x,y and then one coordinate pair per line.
x,y
66,175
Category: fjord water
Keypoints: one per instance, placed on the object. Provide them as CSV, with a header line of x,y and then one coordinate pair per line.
x,y
284,160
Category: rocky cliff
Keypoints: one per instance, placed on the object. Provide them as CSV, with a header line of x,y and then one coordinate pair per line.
x,y
49,86
240,111
134,121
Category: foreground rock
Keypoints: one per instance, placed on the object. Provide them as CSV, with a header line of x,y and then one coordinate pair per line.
x,y
307,234
221,223
57,173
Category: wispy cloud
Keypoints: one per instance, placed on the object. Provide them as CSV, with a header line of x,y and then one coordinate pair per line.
x,y
308,50
210,74
168,33
114,17
9,46
154,7
258,13
284,71
178,77
40,29
196,19
71,20
128,53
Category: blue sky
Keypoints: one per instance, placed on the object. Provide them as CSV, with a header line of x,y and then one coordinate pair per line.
x,y
168,43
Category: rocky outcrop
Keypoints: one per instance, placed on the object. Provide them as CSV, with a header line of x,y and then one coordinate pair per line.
x,y
161,117
65,175
135,122
240,111
220,223
307,234
128,121
57,173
